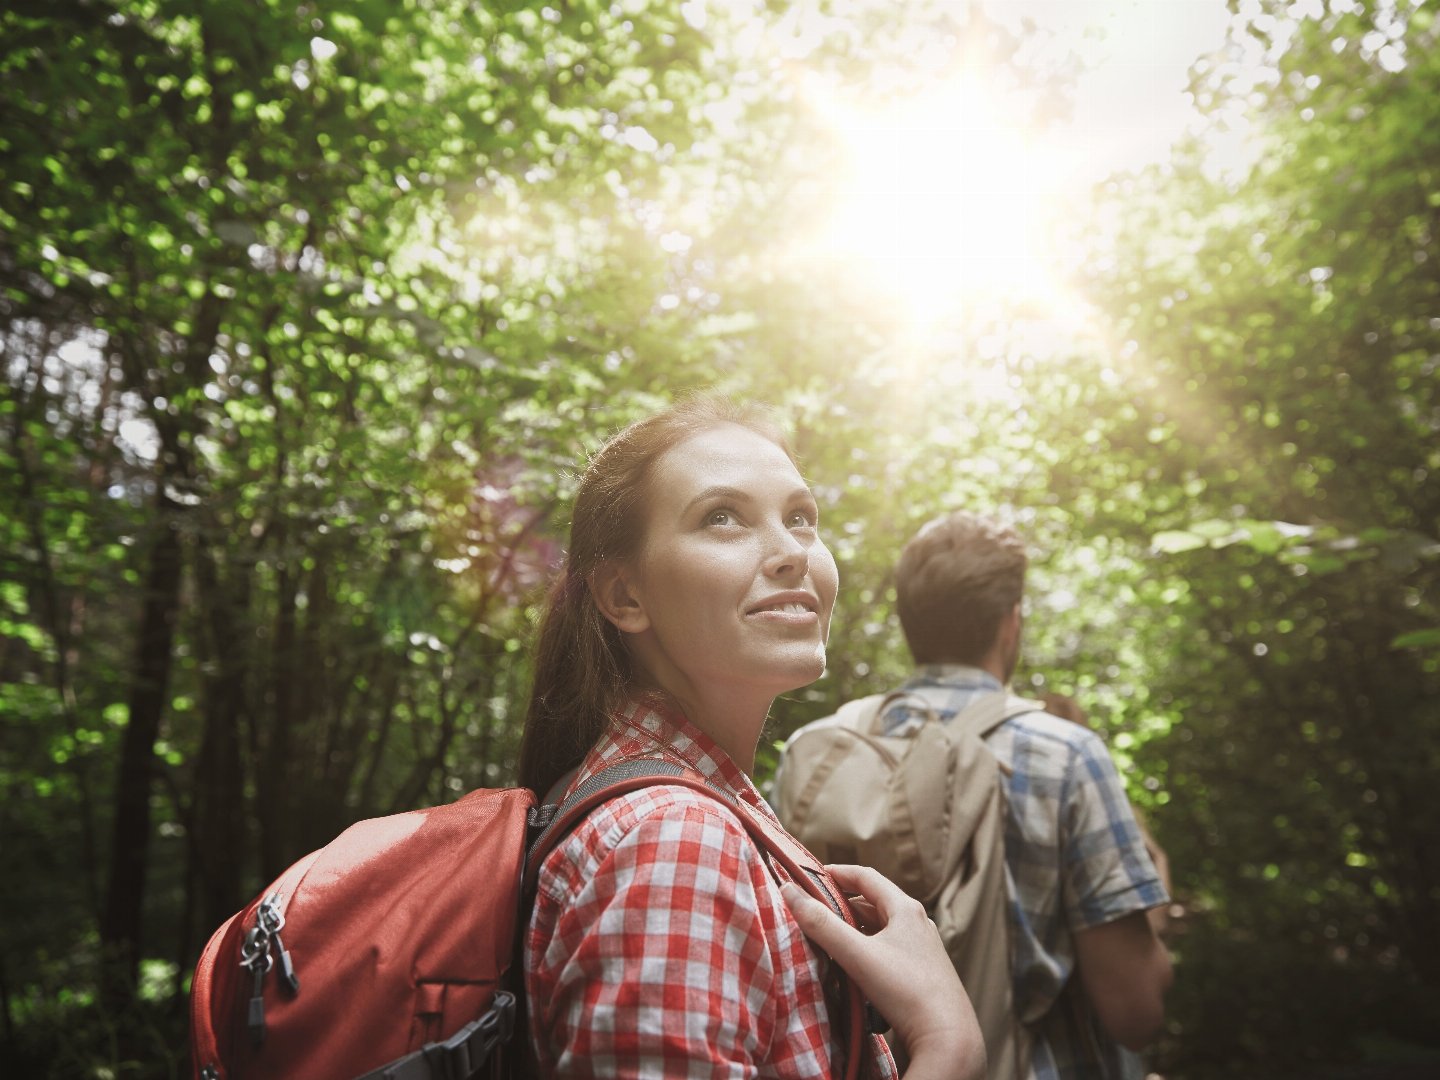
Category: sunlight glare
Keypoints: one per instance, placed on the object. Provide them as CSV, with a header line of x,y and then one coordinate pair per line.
x,y
946,200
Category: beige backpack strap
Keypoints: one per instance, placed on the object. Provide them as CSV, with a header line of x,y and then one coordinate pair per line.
x,y
985,712
911,698
1019,706
862,714
983,715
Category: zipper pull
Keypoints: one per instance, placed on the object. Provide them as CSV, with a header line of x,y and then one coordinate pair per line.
x,y
255,957
272,921
287,966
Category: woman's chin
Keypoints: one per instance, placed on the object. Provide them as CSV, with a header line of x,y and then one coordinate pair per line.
x,y
802,671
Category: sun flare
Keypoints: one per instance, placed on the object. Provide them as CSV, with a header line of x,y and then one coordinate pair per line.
x,y
946,201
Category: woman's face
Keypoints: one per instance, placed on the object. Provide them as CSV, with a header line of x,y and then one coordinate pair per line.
x,y
733,587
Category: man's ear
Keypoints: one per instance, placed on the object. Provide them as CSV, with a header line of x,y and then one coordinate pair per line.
x,y
1010,628
1007,634
615,597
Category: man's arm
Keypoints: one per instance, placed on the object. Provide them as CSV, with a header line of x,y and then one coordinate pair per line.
x,y
1125,971
1159,916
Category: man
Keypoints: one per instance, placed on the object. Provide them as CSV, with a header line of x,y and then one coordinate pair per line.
x,y
1089,973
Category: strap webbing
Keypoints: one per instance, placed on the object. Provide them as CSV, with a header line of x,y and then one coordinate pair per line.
x,y
462,1055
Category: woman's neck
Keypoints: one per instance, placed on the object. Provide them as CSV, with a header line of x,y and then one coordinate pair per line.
x,y
733,720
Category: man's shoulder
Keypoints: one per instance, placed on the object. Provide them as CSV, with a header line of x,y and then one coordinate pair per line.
x,y
1029,725
1041,743
1054,732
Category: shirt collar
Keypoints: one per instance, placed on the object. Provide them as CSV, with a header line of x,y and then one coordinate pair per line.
x,y
651,727
953,677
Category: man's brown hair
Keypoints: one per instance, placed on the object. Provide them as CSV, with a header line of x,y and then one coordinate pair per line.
x,y
957,578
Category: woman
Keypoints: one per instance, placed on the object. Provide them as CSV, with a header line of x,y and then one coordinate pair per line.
x,y
662,942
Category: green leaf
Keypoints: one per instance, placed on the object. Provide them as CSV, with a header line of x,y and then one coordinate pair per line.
x,y
1175,542
1214,529
1417,639
1263,536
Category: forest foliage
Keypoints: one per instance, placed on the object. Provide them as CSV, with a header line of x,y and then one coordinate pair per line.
x,y
308,317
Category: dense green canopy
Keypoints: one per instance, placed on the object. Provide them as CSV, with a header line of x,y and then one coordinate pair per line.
x,y
307,318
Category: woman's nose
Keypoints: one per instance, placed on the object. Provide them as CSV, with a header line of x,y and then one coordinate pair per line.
x,y
788,557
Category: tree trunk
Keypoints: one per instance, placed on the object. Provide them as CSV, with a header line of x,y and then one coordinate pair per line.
x,y
121,922
274,771
218,819
64,619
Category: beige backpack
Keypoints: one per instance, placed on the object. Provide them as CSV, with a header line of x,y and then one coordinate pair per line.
x,y
925,808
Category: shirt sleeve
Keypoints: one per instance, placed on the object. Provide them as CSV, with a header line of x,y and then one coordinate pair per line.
x,y
1107,872
669,955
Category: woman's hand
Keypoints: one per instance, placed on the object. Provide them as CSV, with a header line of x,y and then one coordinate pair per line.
x,y
901,965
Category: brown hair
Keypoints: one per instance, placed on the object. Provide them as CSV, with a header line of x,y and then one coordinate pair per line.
x,y
583,671
1065,707
956,580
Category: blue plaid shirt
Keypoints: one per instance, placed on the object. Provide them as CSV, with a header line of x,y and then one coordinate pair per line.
x,y
1074,859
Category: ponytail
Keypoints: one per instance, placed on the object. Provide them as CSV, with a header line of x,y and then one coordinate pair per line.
x,y
581,676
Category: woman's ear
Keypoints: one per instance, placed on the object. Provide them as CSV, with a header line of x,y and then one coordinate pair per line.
x,y
616,599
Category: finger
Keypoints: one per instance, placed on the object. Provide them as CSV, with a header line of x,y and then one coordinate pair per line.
x,y
882,893
809,912
820,924
889,905
866,913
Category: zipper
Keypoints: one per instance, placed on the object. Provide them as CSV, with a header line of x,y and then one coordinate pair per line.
x,y
258,953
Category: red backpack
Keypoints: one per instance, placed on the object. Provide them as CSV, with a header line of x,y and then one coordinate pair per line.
x,y
392,952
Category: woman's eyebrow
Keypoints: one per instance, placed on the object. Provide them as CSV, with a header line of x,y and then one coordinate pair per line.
x,y
719,492
734,494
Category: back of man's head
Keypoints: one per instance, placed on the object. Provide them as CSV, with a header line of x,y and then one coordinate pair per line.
x,y
956,580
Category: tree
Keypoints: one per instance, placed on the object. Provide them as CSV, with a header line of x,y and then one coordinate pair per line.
x,y
1276,328
291,371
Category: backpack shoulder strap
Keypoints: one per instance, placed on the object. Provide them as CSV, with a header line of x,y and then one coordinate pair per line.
x,y
551,823
858,715
987,711
1019,706
554,823
984,713
865,714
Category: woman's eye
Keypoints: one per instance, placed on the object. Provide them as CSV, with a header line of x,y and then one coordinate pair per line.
x,y
800,519
720,517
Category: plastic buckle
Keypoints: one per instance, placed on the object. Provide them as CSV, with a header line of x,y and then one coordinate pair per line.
x,y
466,1052
539,817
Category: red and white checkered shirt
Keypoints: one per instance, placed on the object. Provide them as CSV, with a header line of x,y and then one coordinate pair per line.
x,y
660,945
